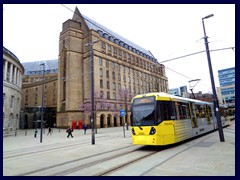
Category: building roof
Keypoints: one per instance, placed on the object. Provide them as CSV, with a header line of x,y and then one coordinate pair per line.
x,y
34,68
116,38
10,53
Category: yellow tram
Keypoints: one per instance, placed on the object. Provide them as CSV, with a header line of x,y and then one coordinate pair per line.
x,y
162,119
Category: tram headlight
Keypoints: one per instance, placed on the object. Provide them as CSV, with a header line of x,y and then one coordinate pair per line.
x,y
152,131
133,132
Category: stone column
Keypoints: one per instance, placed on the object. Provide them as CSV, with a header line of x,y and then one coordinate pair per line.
x,y
17,79
15,75
20,80
11,73
5,70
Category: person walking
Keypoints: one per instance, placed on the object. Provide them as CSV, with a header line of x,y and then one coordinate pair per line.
x,y
69,131
85,128
49,130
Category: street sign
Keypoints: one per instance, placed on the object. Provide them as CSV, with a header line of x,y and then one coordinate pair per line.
x,y
122,112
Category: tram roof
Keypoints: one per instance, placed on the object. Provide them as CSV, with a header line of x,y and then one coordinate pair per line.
x,y
172,97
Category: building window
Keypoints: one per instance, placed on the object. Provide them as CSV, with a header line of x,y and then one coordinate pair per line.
x,y
129,56
107,63
114,96
108,85
115,50
12,102
107,73
108,95
119,76
119,86
128,69
103,45
124,54
120,53
101,94
113,75
101,83
109,48
101,72
100,61
113,65
114,86
124,78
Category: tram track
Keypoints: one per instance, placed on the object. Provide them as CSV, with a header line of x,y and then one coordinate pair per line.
x,y
118,161
46,148
126,167
96,158
113,162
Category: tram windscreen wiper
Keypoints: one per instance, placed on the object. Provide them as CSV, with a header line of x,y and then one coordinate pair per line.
x,y
140,127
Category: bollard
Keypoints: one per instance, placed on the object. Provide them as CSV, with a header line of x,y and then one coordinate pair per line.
x,y
25,132
35,133
59,130
15,133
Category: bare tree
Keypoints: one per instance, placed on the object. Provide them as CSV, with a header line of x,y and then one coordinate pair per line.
x,y
101,103
124,99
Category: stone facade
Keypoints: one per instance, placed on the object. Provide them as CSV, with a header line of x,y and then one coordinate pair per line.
x,y
12,95
32,93
119,65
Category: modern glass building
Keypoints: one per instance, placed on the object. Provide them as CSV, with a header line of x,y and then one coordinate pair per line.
x,y
227,85
180,91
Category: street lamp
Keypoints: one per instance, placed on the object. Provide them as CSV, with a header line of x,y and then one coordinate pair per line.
x,y
42,64
215,100
92,84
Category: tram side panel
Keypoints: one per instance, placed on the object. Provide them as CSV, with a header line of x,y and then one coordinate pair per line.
x,y
183,129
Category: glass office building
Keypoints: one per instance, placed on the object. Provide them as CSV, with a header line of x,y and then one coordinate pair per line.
x,y
227,86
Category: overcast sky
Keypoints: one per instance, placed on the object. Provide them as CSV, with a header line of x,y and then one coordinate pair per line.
x,y
31,32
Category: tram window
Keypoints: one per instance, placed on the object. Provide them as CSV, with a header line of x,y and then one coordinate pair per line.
x,y
208,110
166,110
182,110
185,110
223,111
201,113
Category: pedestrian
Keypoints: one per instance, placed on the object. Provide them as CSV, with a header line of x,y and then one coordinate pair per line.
x,y
49,130
69,131
85,128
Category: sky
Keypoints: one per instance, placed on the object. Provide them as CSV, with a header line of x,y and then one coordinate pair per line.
x,y
31,32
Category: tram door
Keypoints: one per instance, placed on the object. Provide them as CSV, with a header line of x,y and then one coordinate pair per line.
x,y
192,108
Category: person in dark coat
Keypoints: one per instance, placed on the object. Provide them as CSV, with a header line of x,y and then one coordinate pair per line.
x,y
69,131
49,130
85,128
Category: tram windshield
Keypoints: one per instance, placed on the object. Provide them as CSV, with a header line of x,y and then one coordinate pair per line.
x,y
143,112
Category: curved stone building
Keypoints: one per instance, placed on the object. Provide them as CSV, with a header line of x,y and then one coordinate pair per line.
x,y
12,87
